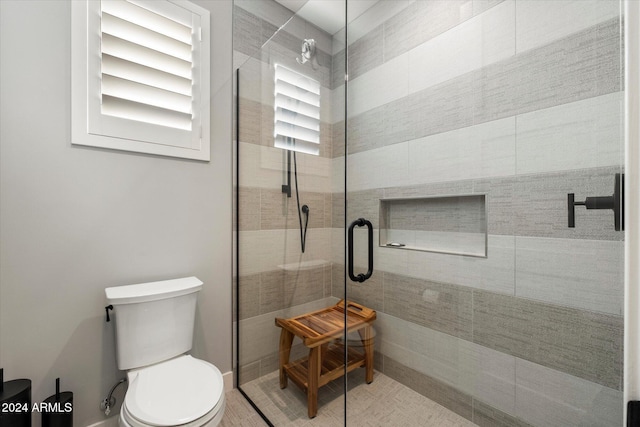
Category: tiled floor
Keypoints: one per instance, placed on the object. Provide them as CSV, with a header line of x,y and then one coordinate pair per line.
x,y
384,402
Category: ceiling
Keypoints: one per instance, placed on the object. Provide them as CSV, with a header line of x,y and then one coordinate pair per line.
x,y
327,14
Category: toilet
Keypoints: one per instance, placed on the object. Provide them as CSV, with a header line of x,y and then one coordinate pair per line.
x,y
154,333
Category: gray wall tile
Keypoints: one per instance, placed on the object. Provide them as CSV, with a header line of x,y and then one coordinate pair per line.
x,y
442,307
540,204
245,37
487,416
584,344
581,66
280,289
366,52
249,287
446,213
369,293
435,390
249,208
281,212
407,29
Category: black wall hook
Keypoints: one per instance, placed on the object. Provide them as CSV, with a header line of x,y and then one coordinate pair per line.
x,y
614,202
107,308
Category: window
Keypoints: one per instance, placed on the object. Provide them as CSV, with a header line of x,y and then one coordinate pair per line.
x,y
140,73
297,112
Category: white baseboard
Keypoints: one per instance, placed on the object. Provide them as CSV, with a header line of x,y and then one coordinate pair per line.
x,y
109,422
228,381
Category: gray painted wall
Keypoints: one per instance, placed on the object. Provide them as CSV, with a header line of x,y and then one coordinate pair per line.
x,y
75,220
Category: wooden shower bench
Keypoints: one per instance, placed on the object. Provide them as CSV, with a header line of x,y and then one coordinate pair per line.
x,y
322,332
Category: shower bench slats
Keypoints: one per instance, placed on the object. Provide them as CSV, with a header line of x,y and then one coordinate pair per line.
x,y
322,332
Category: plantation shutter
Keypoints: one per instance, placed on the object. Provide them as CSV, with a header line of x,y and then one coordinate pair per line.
x,y
146,66
297,112
141,74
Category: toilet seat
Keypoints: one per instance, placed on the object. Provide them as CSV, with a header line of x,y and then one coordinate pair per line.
x,y
183,391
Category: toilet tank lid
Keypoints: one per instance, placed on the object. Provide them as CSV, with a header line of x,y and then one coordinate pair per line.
x,y
152,291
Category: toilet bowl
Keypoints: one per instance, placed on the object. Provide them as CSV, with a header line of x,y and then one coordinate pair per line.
x,y
154,331
184,391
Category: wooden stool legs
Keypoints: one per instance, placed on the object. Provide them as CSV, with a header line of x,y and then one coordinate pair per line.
x,y
286,339
366,335
313,376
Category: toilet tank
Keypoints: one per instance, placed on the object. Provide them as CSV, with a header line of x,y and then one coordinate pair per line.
x,y
153,321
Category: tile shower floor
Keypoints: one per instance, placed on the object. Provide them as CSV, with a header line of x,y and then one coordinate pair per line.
x,y
384,402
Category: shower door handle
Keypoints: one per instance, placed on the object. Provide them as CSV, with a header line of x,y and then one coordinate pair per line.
x,y
360,222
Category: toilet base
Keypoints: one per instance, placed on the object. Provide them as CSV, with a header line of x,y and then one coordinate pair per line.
x,y
208,420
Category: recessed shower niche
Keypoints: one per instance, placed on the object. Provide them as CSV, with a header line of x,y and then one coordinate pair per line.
x,y
455,224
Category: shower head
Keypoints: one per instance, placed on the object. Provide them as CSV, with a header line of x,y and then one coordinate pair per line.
x,y
308,53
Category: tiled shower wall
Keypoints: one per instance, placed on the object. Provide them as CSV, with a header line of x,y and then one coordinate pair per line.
x,y
276,278
521,101
518,100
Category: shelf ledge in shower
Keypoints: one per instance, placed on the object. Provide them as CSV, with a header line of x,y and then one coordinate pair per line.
x,y
304,265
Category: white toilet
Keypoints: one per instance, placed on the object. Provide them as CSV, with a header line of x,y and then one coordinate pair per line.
x,y
154,331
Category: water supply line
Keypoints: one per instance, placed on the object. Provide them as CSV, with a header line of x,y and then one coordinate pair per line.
x,y
110,401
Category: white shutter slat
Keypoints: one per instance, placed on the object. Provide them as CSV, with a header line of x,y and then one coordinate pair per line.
x,y
124,69
298,80
283,101
288,116
144,37
143,94
148,19
296,111
146,66
295,92
144,56
293,131
296,145
125,109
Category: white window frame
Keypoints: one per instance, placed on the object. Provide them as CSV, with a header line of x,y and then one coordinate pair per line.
x,y
90,127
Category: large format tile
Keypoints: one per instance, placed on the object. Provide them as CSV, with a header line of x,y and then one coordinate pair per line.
x,y
577,135
583,65
438,306
485,150
439,392
464,214
366,53
585,274
539,204
407,29
580,66
584,344
376,15
260,336
536,25
548,398
477,42
487,416
267,250
470,368
481,151
494,273
384,83
380,168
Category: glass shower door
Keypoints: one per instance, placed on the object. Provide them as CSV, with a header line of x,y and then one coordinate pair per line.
x,y
469,126
290,107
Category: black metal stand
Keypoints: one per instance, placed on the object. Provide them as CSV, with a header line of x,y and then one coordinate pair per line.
x,y
15,402
58,409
